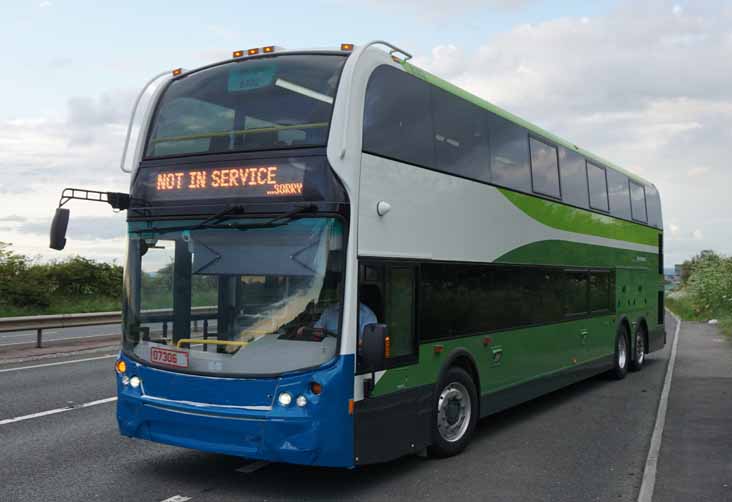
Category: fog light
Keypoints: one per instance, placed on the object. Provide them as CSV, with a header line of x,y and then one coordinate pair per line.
x,y
301,401
135,382
285,399
125,380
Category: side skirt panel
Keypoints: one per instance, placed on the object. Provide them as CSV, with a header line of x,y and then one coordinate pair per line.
x,y
392,425
517,394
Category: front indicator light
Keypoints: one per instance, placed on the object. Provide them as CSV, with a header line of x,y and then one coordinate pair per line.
x,y
285,399
120,366
135,382
301,401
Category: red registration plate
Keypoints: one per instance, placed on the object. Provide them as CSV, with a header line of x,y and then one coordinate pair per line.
x,y
169,357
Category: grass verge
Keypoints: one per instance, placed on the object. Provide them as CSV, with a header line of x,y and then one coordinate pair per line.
x,y
65,306
683,307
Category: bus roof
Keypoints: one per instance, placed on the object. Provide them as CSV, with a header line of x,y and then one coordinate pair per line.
x,y
451,88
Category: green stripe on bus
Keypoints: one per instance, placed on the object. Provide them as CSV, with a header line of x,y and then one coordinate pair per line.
x,y
447,86
575,254
580,221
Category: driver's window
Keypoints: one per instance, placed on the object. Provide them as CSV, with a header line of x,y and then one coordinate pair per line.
x,y
388,290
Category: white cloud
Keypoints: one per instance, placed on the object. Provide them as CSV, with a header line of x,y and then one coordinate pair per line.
x,y
45,4
42,156
697,235
697,171
456,6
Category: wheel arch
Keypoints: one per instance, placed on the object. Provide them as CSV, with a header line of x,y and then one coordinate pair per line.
x,y
463,359
624,322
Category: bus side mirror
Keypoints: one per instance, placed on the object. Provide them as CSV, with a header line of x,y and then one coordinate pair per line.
x,y
58,228
374,347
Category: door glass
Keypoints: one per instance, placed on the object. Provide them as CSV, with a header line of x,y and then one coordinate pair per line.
x,y
399,312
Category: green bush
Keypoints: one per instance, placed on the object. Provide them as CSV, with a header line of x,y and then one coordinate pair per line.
x,y
28,287
708,290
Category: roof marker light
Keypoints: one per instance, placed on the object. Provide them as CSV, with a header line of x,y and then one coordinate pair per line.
x,y
347,47
254,51
268,49
177,72
237,54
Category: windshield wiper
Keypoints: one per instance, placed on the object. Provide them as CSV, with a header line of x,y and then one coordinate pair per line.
x,y
277,221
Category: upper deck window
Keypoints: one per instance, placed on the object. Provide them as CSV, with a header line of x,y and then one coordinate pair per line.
x,y
545,169
254,104
598,187
638,202
397,121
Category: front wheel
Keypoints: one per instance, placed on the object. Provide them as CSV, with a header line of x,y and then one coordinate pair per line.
x,y
455,413
620,366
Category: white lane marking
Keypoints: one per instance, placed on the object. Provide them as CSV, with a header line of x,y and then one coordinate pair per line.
x,y
58,363
176,498
649,472
254,466
61,339
57,410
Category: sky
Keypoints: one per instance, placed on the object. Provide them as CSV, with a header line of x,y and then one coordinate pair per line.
x,y
644,84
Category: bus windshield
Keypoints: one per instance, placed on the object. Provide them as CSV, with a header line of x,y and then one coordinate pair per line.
x,y
240,301
265,103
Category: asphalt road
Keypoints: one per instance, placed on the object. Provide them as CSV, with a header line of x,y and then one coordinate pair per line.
x,y
588,442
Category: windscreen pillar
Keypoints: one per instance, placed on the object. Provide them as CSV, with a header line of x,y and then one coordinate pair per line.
x,y
182,270
228,306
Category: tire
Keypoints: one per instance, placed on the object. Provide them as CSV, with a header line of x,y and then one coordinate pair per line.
x,y
640,350
621,359
455,413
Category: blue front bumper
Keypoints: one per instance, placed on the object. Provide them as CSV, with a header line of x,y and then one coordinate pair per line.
x,y
241,416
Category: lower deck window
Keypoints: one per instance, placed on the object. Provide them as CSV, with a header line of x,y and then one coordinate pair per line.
x,y
462,299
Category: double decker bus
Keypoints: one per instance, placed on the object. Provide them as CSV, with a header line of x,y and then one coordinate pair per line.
x,y
336,258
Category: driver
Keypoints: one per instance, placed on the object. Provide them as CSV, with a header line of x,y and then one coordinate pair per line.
x,y
331,316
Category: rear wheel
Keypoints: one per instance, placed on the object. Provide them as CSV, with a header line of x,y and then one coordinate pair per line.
x,y
639,354
620,366
455,413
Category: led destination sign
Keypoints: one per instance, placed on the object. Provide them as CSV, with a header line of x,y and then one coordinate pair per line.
x,y
284,179
259,181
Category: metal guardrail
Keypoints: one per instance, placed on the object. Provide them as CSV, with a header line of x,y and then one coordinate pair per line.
x,y
41,322
55,321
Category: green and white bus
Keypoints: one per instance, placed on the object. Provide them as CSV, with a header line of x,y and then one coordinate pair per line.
x,y
360,259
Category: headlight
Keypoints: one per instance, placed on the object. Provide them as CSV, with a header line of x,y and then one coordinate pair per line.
x,y
125,380
285,399
135,382
301,401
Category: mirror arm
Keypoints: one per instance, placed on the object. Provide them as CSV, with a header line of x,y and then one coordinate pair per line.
x,y
117,200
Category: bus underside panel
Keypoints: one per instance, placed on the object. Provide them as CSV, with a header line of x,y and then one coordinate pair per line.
x,y
241,417
390,426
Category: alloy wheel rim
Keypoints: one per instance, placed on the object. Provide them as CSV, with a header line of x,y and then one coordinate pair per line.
x,y
622,352
453,412
640,348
